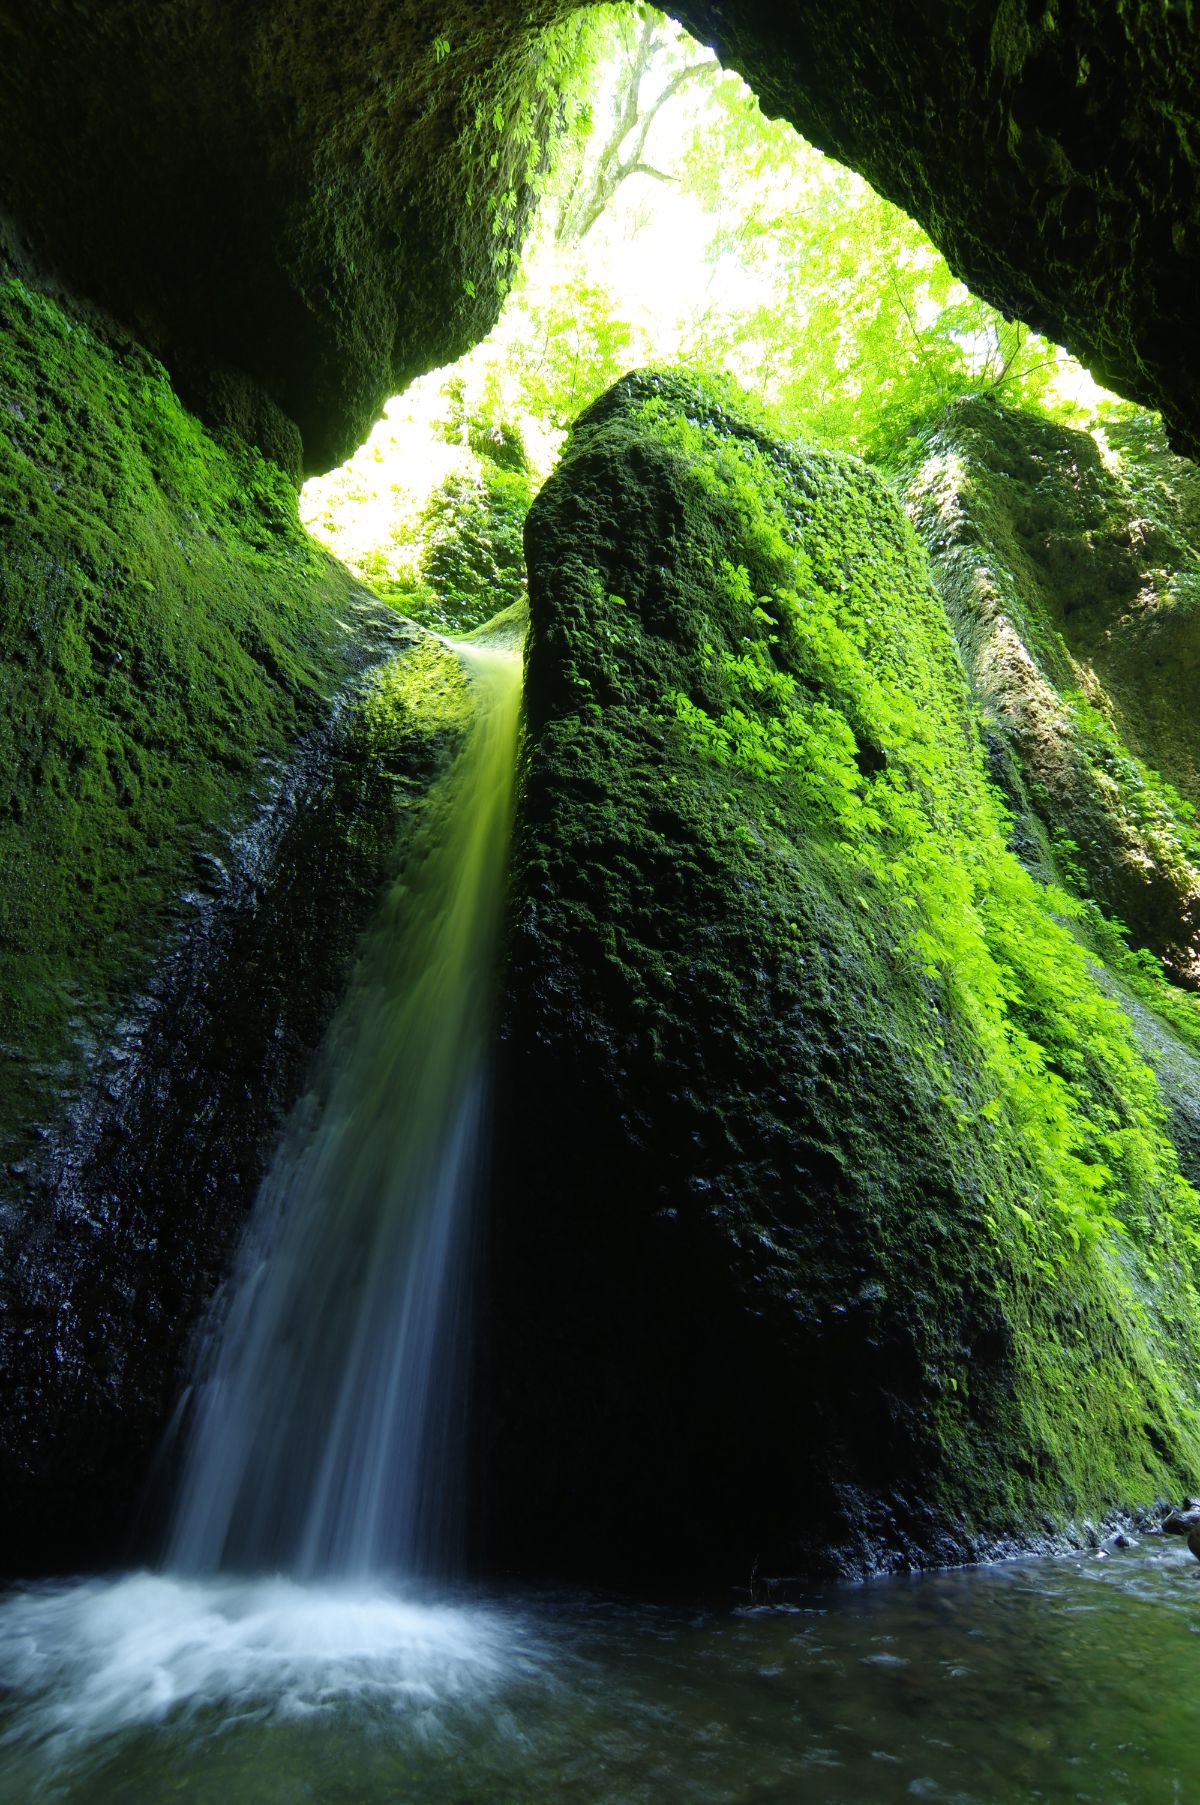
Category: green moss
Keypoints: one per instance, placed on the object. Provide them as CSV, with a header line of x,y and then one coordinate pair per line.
x,y
425,692
1067,571
844,703
830,1019
473,561
168,632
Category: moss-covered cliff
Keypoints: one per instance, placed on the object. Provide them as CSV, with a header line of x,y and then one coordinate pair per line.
x,y
208,748
838,1223
168,634
1073,584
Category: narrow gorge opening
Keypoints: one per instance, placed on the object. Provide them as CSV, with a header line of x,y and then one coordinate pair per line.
x,y
842,1216
676,226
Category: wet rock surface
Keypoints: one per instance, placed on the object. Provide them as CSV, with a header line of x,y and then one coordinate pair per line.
x,y
130,1207
145,1179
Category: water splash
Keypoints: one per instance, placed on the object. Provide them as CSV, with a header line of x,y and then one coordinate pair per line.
x,y
1057,1680
326,1412
101,1657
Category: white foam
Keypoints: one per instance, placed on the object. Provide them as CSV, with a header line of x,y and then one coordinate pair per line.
x,y
92,1658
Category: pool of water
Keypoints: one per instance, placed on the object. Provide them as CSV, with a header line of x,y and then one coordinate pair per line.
x,y
1074,1679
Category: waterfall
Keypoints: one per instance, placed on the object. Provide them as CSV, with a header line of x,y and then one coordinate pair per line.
x,y
325,1414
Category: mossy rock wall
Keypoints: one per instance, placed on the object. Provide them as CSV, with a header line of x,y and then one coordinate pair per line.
x,y
296,204
209,745
837,1226
1071,572
300,207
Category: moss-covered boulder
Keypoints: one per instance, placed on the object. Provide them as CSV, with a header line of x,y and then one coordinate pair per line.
x,y
1070,568
837,1224
209,740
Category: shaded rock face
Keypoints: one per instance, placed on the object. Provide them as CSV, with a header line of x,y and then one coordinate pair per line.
x,y
1074,588
295,206
1050,151
290,203
210,748
765,1284
131,1205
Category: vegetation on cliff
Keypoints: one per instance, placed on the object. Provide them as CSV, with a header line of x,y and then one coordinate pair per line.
x,y
802,1028
1070,569
168,634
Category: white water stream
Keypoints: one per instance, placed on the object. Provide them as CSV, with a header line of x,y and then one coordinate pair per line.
x,y
320,1476
288,1651
326,1413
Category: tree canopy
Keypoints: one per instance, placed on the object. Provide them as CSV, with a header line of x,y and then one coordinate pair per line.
x,y
680,226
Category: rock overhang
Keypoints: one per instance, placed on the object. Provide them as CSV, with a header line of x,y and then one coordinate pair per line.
x,y
299,204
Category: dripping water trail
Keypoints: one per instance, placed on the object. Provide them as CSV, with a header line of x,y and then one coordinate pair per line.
x,y
326,1411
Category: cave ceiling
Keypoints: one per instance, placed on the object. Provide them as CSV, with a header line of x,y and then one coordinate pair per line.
x,y
296,197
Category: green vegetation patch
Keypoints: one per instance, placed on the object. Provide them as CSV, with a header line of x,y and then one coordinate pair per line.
x,y
1067,563
844,702
740,662
168,632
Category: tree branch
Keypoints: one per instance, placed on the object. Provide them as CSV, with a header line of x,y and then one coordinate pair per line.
x,y
660,175
612,167
917,339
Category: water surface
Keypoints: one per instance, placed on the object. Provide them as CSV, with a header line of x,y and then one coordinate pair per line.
x,y
1055,1680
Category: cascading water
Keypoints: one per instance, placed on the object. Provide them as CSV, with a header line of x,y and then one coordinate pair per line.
x,y
326,1409
321,1443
